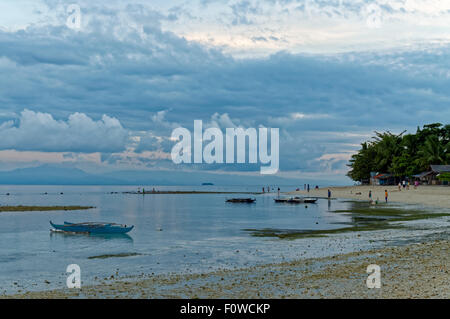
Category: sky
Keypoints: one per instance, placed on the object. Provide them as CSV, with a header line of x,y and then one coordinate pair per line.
x,y
105,95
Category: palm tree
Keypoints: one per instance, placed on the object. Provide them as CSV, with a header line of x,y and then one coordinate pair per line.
x,y
388,146
433,152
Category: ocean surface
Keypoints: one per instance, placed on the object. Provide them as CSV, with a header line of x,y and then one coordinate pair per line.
x,y
173,233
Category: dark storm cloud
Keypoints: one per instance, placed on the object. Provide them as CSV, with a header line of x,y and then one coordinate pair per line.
x,y
322,104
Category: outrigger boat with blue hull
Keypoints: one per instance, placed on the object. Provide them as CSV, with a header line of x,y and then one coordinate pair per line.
x,y
93,228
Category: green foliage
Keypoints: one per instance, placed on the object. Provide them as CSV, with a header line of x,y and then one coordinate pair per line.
x,y
445,177
402,155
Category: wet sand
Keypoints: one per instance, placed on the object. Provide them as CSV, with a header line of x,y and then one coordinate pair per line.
x,y
435,196
412,271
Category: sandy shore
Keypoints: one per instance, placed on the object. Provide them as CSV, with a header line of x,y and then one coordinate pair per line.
x,y
412,271
436,196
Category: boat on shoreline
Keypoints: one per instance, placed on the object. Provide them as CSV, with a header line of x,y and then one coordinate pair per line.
x,y
92,228
309,200
296,200
241,200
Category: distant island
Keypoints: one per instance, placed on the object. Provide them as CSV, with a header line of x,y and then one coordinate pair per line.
x,y
207,184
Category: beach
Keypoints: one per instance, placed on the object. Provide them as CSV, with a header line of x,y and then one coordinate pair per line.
x,y
411,271
414,267
435,196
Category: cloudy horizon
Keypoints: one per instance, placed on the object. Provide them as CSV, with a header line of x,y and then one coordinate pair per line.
x,y
106,96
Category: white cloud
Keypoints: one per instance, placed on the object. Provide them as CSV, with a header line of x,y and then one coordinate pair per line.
x,y
294,117
221,121
36,131
313,25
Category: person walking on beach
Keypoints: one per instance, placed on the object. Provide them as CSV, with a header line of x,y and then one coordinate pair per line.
x,y
399,186
307,187
278,192
329,194
386,195
370,195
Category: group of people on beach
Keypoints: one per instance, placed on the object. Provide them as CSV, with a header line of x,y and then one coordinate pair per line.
x,y
386,196
268,190
306,187
405,185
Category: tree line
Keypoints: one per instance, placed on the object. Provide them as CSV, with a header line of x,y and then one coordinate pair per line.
x,y
402,155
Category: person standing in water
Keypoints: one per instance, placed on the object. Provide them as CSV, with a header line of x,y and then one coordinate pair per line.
x,y
386,195
278,192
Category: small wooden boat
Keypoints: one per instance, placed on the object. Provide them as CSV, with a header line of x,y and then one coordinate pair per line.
x,y
93,228
309,200
296,200
291,200
241,200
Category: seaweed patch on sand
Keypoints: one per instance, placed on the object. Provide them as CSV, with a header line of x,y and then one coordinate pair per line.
x,y
114,255
364,217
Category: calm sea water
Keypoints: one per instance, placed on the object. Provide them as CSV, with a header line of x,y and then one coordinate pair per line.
x,y
173,233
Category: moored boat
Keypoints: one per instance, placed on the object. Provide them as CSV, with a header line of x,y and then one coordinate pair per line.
x,y
309,200
93,228
296,200
241,200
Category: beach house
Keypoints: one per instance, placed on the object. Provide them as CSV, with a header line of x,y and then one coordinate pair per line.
x,y
382,179
431,177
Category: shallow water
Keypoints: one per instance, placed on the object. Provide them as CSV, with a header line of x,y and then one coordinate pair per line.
x,y
173,233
